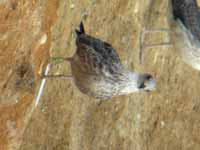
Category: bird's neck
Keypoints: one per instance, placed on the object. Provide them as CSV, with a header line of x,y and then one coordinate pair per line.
x,y
129,83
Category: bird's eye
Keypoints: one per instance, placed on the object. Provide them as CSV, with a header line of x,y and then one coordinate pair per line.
x,y
107,44
142,86
148,77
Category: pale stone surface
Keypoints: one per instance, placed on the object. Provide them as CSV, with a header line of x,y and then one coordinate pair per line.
x,y
65,119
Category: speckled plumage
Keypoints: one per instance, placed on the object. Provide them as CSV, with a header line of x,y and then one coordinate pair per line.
x,y
187,30
98,72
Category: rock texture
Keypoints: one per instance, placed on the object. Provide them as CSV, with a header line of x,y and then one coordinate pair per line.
x,y
33,31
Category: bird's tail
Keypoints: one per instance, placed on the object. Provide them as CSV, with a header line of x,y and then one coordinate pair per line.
x,y
81,29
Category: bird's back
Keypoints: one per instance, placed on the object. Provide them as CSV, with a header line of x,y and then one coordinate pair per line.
x,y
96,56
187,11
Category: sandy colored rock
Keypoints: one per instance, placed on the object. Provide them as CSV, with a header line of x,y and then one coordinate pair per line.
x,y
65,119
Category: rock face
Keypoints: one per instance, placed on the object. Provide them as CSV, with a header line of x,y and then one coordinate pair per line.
x,y
33,31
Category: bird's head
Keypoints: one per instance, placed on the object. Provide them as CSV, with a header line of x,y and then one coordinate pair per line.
x,y
137,82
146,82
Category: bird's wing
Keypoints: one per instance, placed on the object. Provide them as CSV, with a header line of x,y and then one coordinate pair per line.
x,y
99,56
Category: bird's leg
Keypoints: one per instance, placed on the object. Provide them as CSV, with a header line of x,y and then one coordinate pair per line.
x,y
58,76
148,46
57,60
44,77
60,59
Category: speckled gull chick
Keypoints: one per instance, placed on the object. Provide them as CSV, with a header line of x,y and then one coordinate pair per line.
x,y
97,70
186,26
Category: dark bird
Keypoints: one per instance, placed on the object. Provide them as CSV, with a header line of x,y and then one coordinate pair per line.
x,y
97,70
186,30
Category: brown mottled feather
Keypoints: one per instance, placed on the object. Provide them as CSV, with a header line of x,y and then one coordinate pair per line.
x,y
98,72
187,11
96,54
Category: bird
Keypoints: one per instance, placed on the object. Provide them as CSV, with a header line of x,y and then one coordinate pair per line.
x,y
97,70
185,24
